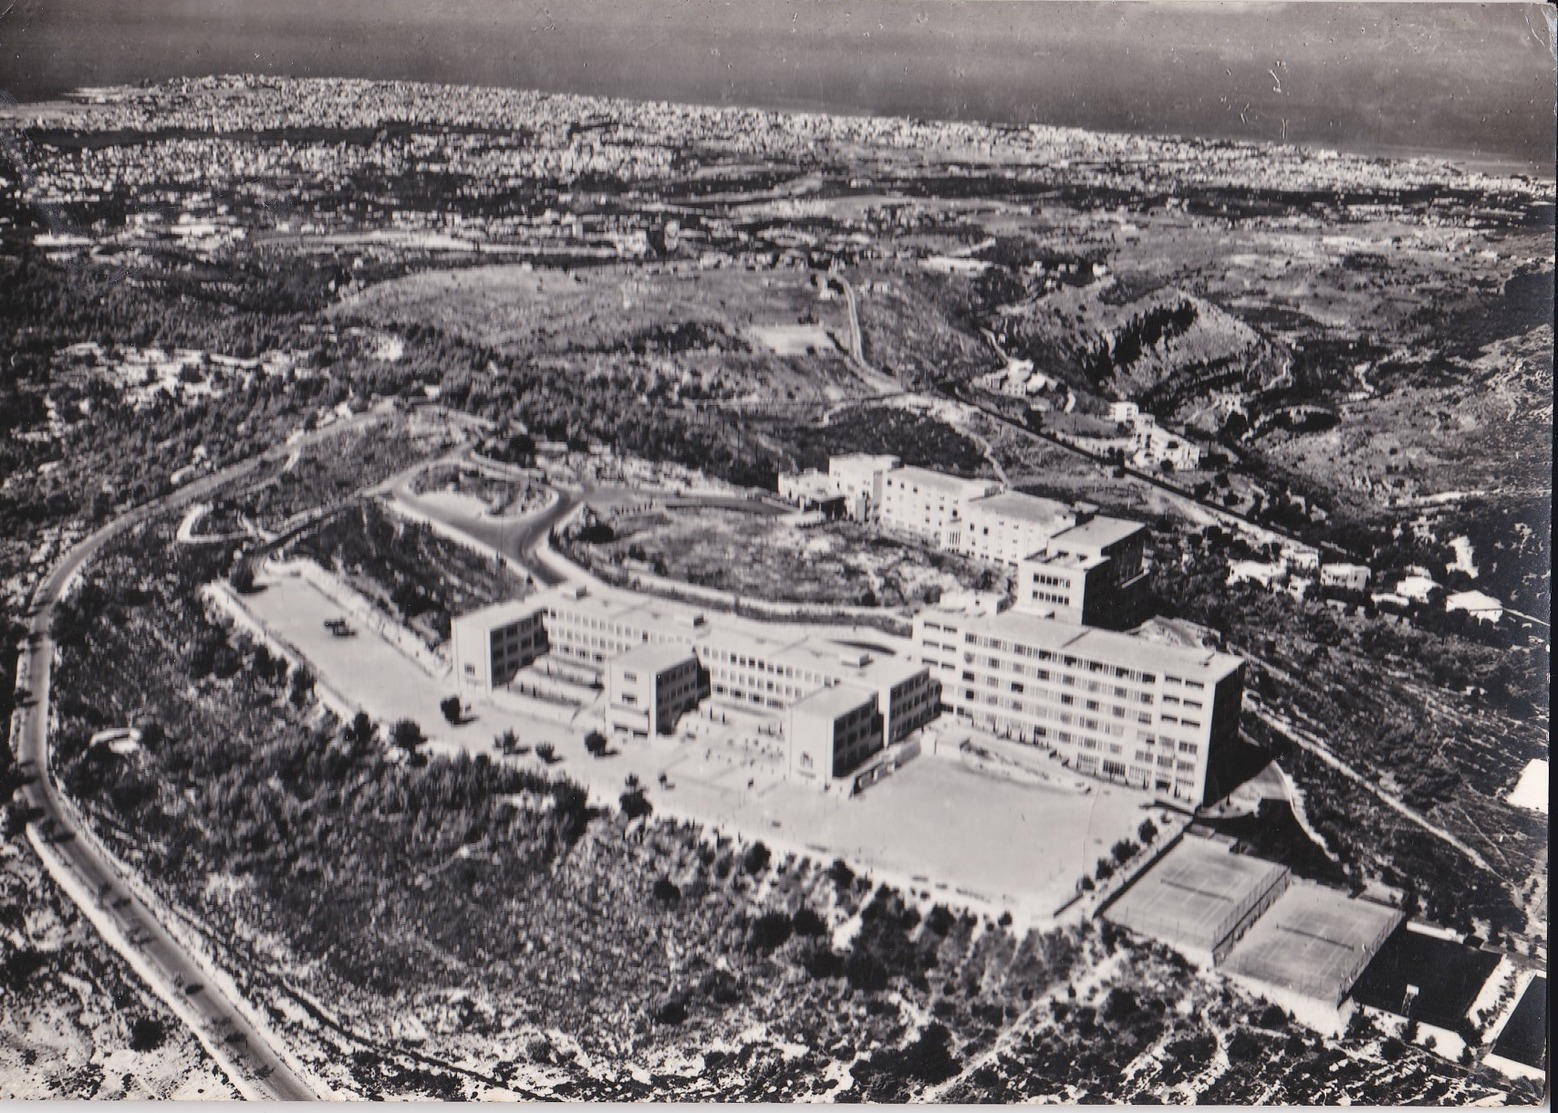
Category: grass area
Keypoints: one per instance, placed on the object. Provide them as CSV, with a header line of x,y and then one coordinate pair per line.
x,y
918,439
767,558
415,575
500,496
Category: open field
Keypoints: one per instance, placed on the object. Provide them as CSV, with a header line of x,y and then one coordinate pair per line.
x,y
734,332
771,559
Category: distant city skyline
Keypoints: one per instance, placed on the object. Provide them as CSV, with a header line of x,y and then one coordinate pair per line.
x,y
1472,82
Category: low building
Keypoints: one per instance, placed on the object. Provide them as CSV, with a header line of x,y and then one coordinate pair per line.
x,y
1481,606
1006,527
1417,587
928,504
493,643
1265,573
649,688
1346,577
815,491
1156,445
1108,704
831,732
1126,413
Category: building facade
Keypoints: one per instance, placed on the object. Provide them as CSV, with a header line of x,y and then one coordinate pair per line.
x,y
858,476
1108,704
492,644
929,505
1090,574
649,688
831,733
1004,528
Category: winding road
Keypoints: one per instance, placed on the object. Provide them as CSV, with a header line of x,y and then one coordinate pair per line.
x,y
191,985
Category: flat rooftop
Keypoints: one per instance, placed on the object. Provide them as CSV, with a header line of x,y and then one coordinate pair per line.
x,y
501,614
832,702
1101,532
936,481
880,462
1016,506
655,656
1067,560
835,659
1314,941
1196,895
1206,665
652,614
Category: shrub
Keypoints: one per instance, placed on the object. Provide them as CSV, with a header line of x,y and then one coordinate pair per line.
x,y
1105,869
665,891
673,1011
406,735
146,1034
939,921
635,805
757,859
808,923
770,930
840,874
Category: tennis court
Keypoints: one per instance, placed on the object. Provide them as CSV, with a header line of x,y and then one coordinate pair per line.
x,y
1199,897
1314,941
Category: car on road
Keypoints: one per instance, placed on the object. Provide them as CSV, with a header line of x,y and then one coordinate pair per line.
x,y
340,627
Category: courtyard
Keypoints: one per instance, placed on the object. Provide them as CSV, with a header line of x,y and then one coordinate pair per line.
x,y
934,826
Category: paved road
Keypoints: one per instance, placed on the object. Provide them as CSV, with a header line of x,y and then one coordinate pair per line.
x,y
263,1071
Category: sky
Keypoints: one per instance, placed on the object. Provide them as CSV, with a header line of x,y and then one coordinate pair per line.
x,y
1469,81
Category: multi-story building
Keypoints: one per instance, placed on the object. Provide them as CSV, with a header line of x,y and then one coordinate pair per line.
x,y
661,659
858,476
591,629
1004,528
1087,574
650,687
831,732
929,504
492,644
1108,704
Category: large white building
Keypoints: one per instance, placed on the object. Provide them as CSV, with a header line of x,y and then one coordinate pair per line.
x,y
659,659
1006,527
929,504
858,477
494,643
1108,704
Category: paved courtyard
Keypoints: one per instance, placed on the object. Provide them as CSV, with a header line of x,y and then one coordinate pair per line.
x,y
933,826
